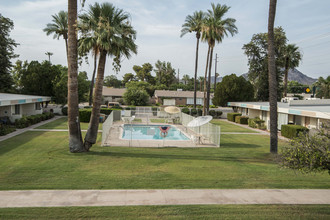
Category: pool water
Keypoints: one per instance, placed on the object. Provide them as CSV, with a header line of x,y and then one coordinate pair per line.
x,y
151,132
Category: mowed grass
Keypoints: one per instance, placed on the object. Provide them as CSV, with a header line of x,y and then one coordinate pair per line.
x,y
229,127
318,212
157,120
41,160
62,123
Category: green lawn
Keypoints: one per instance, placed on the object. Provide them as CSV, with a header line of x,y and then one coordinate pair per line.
x,y
41,160
62,123
157,120
228,127
253,212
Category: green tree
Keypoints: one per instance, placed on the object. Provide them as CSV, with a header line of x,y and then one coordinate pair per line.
x,y
215,28
59,27
232,89
292,57
201,80
296,87
273,85
128,77
136,93
323,87
165,73
194,23
257,53
143,73
7,46
107,28
308,153
185,79
112,81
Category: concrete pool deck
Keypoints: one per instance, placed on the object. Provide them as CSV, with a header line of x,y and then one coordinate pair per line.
x,y
115,134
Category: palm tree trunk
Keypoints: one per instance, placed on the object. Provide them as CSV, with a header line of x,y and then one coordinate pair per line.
x,y
92,82
209,82
196,66
66,45
286,72
272,78
91,134
207,63
75,139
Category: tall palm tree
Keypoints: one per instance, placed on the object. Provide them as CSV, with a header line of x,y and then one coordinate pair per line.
x,y
292,57
75,139
215,28
194,23
323,87
201,80
185,79
59,27
109,30
272,77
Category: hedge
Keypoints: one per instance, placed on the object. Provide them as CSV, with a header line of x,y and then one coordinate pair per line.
x,y
231,116
292,131
256,123
85,113
185,110
26,121
6,129
215,114
193,112
65,110
242,120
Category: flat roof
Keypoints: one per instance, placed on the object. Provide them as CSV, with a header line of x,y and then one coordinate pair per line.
x,y
179,94
315,110
107,91
7,99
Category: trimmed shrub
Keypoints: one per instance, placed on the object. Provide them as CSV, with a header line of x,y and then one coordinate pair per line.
x,y
292,131
242,120
105,111
212,113
21,123
193,112
256,123
185,110
199,112
154,110
231,116
85,115
6,129
65,110
218,114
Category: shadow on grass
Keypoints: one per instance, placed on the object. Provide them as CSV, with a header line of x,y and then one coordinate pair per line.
x,y
236,146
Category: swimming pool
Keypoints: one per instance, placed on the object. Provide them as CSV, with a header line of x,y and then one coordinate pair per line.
x,y
151,132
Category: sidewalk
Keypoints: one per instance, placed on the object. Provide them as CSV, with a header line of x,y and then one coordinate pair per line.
x,y
62,198
22,130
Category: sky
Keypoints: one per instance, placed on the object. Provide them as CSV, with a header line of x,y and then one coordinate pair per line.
x,y
158,25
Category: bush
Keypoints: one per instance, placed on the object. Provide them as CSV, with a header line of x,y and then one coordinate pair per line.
x,y
212,113
65,110
85,115
199,112
154,110
231,116
21,123
6,129
105,111
185,110
256,123
218,114
193,112
292,131
242,120
213,106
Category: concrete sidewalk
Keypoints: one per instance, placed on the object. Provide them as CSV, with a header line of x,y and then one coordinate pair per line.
x,y
61,198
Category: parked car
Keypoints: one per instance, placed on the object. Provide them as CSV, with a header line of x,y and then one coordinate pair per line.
x,y
113,104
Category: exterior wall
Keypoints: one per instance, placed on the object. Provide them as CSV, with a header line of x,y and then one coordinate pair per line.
x,y
253,113
29,109
169,101
5,111
199,101
180,101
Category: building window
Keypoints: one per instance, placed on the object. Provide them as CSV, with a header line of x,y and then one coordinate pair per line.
x,y
17,109
37,106
247,111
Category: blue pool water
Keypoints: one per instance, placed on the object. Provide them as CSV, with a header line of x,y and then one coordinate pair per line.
x,y
151,132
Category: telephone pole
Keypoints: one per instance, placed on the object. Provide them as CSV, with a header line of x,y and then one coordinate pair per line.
x,y
178,75
215,74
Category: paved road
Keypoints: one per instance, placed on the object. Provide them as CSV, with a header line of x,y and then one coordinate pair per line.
x,y
58,198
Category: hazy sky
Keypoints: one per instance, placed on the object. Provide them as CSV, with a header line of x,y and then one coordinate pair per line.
x,y
158,24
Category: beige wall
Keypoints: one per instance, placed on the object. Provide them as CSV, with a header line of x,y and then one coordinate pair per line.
x,y
5,111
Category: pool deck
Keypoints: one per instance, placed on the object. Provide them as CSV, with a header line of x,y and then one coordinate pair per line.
x,y
114,139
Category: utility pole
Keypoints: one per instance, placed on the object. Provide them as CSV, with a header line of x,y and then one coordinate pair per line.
x,y
215,73
49,54
178,75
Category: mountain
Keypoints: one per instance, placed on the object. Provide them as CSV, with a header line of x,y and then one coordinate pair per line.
x,y
295,75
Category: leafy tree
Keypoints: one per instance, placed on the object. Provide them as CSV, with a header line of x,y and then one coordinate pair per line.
x,y
308,153
273,84
194,23
128,77
215,28
323,88
59,27
143,73
231,89
7,46
257,53
292,57
36,78
136,93
109,29
185,79
150,89
165,73
112,81
296,87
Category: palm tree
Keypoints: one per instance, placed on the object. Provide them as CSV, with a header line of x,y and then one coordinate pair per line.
x,y
49,54
201,80
323,87
109,30
214,30
75,139
194,23
59,27
272,77
185,79
292,57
